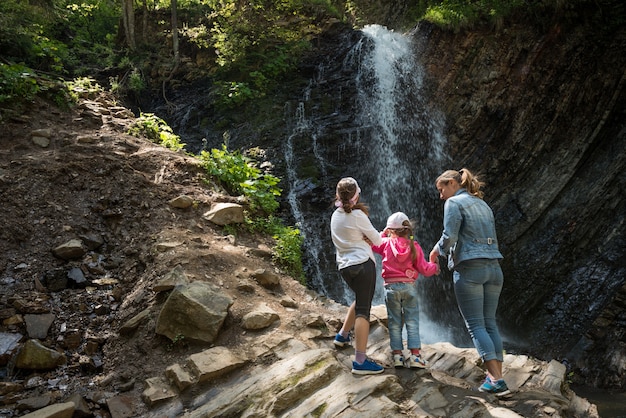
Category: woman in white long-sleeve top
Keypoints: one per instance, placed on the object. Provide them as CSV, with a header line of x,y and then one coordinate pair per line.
x,y
352,232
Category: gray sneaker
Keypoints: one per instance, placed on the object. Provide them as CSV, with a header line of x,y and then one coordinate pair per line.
x,y
398,361
417,362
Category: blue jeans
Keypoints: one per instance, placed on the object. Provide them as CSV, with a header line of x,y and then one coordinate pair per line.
x,y
477,285
402,303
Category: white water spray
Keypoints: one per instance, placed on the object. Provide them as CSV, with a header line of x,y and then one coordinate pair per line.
x,y
393,145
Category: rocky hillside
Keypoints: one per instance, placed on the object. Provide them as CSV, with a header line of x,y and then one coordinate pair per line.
x,y
94,239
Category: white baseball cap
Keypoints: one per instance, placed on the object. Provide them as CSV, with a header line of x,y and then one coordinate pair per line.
x,y
396,220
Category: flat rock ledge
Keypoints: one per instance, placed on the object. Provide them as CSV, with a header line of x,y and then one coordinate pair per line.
x,y
284,376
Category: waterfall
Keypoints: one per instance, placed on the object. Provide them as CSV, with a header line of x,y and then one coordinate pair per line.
x,y
375,126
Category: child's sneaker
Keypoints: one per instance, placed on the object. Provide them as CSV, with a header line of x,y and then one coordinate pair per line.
x,y
417,362
498,388
368,367
398,361
341,342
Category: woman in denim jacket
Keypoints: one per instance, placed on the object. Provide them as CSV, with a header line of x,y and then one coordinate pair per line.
x,y
469,240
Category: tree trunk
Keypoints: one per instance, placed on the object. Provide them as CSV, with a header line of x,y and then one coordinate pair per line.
x,y
175,32
144,21
128,18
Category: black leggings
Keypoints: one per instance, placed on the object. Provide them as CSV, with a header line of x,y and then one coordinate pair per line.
x,y
362,280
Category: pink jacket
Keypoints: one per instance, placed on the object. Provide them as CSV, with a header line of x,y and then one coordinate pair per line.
x,y
397,263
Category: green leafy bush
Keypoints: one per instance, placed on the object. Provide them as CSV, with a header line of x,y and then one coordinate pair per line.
x,y
17,82
230,94
157,130
240,175
84,87
288,251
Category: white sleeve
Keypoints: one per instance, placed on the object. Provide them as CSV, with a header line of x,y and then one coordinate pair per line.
x,y
365,225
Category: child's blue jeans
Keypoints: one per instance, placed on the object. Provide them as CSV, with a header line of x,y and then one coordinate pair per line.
x,y
402,304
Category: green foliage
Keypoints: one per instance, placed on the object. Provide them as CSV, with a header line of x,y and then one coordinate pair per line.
x,y
157,130
20,84
257,42
179,342
28,35
239,174
91,21
288,251
93,27
605,15
84,87
457,14
230,94
17,82
136,82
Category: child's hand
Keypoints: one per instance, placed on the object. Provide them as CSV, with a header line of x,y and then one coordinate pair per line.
x,y
433,256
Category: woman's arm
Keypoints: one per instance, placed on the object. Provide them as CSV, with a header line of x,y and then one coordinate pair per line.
x,y
365,225
452,219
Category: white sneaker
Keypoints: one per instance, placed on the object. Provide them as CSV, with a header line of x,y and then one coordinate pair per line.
x,y
417,362
398,361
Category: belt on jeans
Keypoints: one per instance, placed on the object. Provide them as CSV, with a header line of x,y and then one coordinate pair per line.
x,y
487,241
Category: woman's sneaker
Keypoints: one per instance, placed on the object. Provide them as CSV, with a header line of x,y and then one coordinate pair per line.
x,y
417,362
341,342
498,388
398,361
368,367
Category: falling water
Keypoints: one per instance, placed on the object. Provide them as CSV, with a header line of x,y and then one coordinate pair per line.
x,y
392,143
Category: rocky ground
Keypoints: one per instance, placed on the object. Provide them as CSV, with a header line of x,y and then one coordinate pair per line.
x,y
78,176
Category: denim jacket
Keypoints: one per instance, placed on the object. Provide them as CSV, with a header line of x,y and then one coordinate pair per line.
x,y
469,230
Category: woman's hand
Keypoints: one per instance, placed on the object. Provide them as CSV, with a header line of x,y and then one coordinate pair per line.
x,y
434,253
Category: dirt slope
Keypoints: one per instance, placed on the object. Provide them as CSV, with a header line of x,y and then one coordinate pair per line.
x,y
78,175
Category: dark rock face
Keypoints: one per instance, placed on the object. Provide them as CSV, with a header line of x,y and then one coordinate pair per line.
x,y
541,114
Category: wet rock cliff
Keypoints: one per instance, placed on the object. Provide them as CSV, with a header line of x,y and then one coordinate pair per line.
x,y
541,113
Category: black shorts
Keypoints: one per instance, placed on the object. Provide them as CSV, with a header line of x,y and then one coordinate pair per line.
x,y
361,278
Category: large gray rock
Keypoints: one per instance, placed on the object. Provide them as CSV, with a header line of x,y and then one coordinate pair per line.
x,y
213,363
37,326
59,410
262,317
195,311
35,356
225,213
71,250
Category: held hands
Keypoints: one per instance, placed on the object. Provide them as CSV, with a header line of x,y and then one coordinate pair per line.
x,y
366,239
434,254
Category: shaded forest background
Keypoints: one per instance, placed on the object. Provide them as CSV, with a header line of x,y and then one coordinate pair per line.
x,y
139,49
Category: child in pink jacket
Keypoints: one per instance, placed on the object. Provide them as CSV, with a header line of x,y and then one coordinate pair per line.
x,y
403,261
